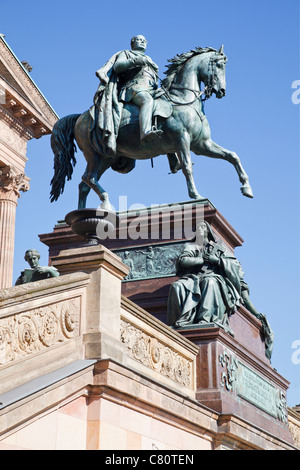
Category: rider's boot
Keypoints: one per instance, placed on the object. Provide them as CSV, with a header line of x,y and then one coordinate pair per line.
x,y
145,101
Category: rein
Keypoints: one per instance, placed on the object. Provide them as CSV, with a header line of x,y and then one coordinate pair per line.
x,y
197,93
207,90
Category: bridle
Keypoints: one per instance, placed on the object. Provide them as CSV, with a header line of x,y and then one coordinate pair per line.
x,y
198,94
212,78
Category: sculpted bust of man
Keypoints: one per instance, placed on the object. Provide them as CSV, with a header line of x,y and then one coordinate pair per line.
x,y
36,272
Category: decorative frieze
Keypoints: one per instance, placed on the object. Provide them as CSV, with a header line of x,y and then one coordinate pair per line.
x,y
12,143
156,355
294,425
151,261
13,122
38,329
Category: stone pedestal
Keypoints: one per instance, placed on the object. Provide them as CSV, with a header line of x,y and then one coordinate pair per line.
x,y
234,377
166,229
102,328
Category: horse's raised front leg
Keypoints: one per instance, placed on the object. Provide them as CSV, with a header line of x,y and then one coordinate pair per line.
x,y
211,149
184,155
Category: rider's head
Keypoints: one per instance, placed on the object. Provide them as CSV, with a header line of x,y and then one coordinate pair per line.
x,y
138,43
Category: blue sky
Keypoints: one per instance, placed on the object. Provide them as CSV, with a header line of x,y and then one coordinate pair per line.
x,y
67,41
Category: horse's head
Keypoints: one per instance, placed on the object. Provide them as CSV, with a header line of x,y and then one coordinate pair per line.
x,y
213,75
207,64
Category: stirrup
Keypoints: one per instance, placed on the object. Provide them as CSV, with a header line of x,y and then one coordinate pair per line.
x,y
152,135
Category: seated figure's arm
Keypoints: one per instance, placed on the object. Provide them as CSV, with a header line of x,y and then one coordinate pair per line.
x,y
187,261
53,272
190,257
50,270
249,305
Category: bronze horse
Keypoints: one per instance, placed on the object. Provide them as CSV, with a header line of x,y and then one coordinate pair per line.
x,y
185,130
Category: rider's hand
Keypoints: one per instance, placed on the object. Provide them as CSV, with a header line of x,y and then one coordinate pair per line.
x,y
140,60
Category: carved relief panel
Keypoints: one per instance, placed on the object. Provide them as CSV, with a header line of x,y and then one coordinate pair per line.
x,y
34,331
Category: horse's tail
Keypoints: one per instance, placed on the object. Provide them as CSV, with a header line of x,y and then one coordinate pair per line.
x,y
63,147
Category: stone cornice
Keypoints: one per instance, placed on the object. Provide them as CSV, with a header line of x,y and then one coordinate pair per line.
x,y
15,123
25,82
23,116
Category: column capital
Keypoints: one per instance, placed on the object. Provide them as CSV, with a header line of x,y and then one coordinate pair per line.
x,y
11,183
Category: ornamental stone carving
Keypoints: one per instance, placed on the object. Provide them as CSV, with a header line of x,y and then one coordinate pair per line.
x,y
30,332
228,378
294,427
152,353
11,183
282,411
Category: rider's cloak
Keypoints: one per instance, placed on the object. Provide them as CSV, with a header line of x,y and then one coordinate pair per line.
x,y
106,111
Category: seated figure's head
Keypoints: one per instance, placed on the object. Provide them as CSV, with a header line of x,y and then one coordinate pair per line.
x,y
32,257
204,233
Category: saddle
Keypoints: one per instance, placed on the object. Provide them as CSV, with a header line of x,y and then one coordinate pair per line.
x,y
162,107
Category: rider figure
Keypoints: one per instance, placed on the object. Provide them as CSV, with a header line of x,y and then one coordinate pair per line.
x,y
137,76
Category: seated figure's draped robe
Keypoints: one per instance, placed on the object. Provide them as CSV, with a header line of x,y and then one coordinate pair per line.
x,y
207,293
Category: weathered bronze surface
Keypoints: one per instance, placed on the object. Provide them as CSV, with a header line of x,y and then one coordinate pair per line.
x,y
35,272
210,287
132,119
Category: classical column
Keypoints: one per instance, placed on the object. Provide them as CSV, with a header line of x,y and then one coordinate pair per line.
x,y
11,183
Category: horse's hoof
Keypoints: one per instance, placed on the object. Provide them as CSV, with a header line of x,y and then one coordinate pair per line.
x,y
176,167
247,191
106,206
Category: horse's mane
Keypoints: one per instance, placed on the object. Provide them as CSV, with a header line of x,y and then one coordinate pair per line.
x,y
178,61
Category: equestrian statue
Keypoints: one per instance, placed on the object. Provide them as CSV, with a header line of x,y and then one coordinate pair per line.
x,y
132,118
